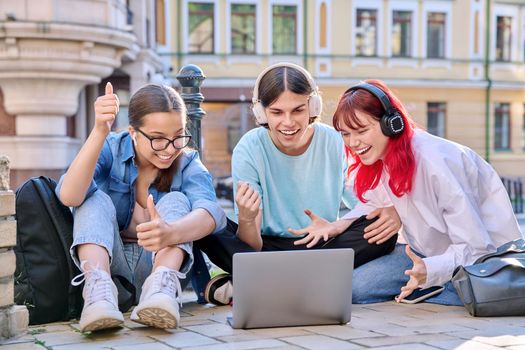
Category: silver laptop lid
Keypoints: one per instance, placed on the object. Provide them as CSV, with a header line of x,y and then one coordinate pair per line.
x,y
292,288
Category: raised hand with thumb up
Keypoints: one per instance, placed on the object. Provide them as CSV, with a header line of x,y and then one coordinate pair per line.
x,y
154,234
106,109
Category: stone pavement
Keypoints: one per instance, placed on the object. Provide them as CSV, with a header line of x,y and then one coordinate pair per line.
x,y
379,326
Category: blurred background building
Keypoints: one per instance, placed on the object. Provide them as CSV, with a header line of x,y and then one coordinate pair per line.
x,y
55,58
458,65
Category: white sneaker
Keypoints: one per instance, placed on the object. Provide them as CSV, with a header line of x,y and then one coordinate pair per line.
x,y
158,306
100,300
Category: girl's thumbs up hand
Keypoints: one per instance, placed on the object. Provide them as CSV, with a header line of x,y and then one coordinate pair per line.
x,y
156,233
106,110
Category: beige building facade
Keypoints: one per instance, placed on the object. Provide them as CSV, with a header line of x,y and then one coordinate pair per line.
x,y
458,65
55,58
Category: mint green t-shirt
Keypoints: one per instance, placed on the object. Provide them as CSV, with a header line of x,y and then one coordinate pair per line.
x,y
287,185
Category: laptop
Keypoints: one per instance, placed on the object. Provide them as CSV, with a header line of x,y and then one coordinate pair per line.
x,y
292,288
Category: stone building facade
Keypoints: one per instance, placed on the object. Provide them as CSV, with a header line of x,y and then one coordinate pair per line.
x,y
55,57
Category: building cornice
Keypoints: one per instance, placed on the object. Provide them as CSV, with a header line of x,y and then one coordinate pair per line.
x,y
337,82
67,31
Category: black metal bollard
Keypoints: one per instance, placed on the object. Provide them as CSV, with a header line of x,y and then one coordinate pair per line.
x,y
190,78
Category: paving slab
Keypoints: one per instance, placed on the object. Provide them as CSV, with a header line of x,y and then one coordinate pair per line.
x,y
408,346
184,339
342,332
518,347
399,340
461,344
316,342
22,346
280,332
254,344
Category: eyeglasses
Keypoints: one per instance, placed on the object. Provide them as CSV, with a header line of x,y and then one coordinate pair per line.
x,y
161,143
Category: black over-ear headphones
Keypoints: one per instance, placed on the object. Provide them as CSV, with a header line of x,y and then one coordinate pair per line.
x,y
392,124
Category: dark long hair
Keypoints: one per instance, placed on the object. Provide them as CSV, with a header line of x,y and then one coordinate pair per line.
x,y
278,80
399,159
154,98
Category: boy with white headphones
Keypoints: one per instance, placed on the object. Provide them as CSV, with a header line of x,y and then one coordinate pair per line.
x,y
284,171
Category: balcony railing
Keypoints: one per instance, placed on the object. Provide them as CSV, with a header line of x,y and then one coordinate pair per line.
x,y
514,187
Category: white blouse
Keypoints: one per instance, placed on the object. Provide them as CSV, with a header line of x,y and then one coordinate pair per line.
x,y
457,211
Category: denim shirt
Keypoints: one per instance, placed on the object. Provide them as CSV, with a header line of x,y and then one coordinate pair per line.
x,y
116,172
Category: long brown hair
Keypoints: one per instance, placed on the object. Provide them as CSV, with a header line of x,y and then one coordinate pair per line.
x,y
154,98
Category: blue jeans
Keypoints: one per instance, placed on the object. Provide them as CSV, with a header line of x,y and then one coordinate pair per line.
x,y
381,280
95,222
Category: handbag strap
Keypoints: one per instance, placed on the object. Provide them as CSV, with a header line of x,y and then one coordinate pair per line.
x,y
513,247
493,266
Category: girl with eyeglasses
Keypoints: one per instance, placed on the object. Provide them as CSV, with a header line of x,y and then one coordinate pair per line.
x,y
140,199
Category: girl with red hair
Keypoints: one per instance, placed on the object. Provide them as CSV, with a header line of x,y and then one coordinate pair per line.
x,y
452,203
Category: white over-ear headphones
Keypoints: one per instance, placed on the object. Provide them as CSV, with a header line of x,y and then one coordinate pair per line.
x,y
315,103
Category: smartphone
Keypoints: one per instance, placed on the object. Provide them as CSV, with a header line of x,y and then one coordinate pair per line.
x,y
419,295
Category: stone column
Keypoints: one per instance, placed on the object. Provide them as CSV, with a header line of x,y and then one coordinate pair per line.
x,y
14,319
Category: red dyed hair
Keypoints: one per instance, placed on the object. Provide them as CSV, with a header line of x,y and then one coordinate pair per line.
x,y
399,161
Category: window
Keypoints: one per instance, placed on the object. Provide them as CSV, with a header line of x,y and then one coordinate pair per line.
x,y
502,126
201,24
401,34
323,33
129,14
523,127
436,34
148,32
476,33
160,21
243,29
436,116
284,32
239,123
503,38
121,123
366,32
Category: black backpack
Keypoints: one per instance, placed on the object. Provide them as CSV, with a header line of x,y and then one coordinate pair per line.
x,y
44,268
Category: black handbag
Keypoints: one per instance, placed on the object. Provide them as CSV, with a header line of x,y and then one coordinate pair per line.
x,y
495,284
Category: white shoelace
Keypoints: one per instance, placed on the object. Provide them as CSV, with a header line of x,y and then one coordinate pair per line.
x,y
167,282
98,286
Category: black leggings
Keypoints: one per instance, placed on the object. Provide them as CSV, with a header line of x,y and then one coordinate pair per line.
x,y
220,247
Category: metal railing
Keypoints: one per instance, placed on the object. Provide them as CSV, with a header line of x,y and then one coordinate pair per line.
x,y
514,187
